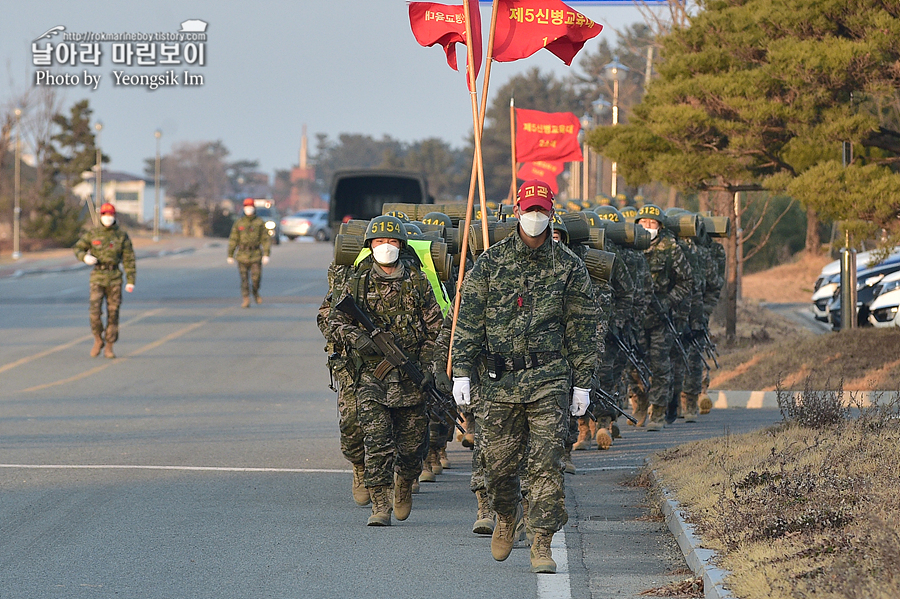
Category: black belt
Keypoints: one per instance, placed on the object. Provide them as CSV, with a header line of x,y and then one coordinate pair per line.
x,y
498,364
106,266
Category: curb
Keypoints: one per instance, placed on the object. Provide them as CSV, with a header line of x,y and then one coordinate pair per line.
x,y
699,560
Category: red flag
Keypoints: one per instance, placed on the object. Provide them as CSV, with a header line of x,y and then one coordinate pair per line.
x,y
551,136
546,171
443,24
526,26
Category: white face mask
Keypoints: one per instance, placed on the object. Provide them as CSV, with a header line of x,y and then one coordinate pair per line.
x,y
386,254
653,233
533,223
107,220
249,210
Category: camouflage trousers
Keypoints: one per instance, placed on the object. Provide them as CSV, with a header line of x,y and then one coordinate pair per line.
x,y
251,275
112,293
693,378
687,378
536,433
352,445
659,345
395,438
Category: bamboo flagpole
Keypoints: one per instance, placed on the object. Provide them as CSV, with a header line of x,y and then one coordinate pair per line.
x,y
512,143
477,164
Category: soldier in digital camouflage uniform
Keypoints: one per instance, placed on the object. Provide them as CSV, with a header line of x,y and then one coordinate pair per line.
x,y
105,247
249,244
715,285
391,410
528,316
671,287
688,322
352,446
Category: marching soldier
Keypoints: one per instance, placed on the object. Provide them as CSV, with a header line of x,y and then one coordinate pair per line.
x,y
249,244
528,318
104,248
390,407
671,287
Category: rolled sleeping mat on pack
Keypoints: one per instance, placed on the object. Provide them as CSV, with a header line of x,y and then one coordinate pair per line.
x,y
596,239
412,211
577,225
347,248
717,226
620,233
599,264
354,227
641,238
457,212
684,224
496,232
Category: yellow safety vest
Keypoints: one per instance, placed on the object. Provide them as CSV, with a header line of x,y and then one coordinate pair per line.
x,y
422,248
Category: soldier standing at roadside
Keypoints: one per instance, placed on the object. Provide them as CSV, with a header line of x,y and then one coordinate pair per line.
x,y
529,315
104,247
252,244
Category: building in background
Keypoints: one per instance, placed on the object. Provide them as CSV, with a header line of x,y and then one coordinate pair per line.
x,y
132,195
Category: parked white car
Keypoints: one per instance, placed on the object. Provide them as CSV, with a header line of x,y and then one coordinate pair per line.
x,y
883,312
829,281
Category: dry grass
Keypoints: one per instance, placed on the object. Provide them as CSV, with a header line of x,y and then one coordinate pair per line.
x,y
798,511
794,281
865,359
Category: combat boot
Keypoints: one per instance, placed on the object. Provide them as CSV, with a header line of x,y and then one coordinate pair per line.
x,y
246,302
402,497
98,345
108,351
258,298
691,409
568,464
358,488
656,419
541,555
525,532
436,467
614,431
484,524
415,487
427,475
604,438
639,411
584,435
705,403
504,536
381,506
442,456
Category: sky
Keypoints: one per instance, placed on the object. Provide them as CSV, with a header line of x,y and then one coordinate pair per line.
x,y
270,67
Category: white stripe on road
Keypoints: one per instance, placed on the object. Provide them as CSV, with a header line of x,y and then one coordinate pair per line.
x,y
556,586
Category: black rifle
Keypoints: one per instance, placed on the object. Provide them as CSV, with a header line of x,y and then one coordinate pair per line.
x,y
711,350
643,371
695,343
671,326
439,406
605,400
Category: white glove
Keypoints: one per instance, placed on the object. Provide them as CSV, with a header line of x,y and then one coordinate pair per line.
x,y
89,259
461,390
129,287
581,399
230,260
265,260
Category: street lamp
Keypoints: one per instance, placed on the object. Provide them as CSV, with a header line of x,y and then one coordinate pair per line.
x,y
17,210
98,193
586,122
601,108
156,134
615,71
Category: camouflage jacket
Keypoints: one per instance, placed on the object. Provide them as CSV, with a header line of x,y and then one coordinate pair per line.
x,y
402,304
249,240
671,277
715,282
640,274
516,301
603,300
337,279
111,246
623,287
691,316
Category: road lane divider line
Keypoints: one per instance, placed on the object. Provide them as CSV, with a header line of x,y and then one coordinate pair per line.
x,y
181,468
148,347
556,586
69,344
